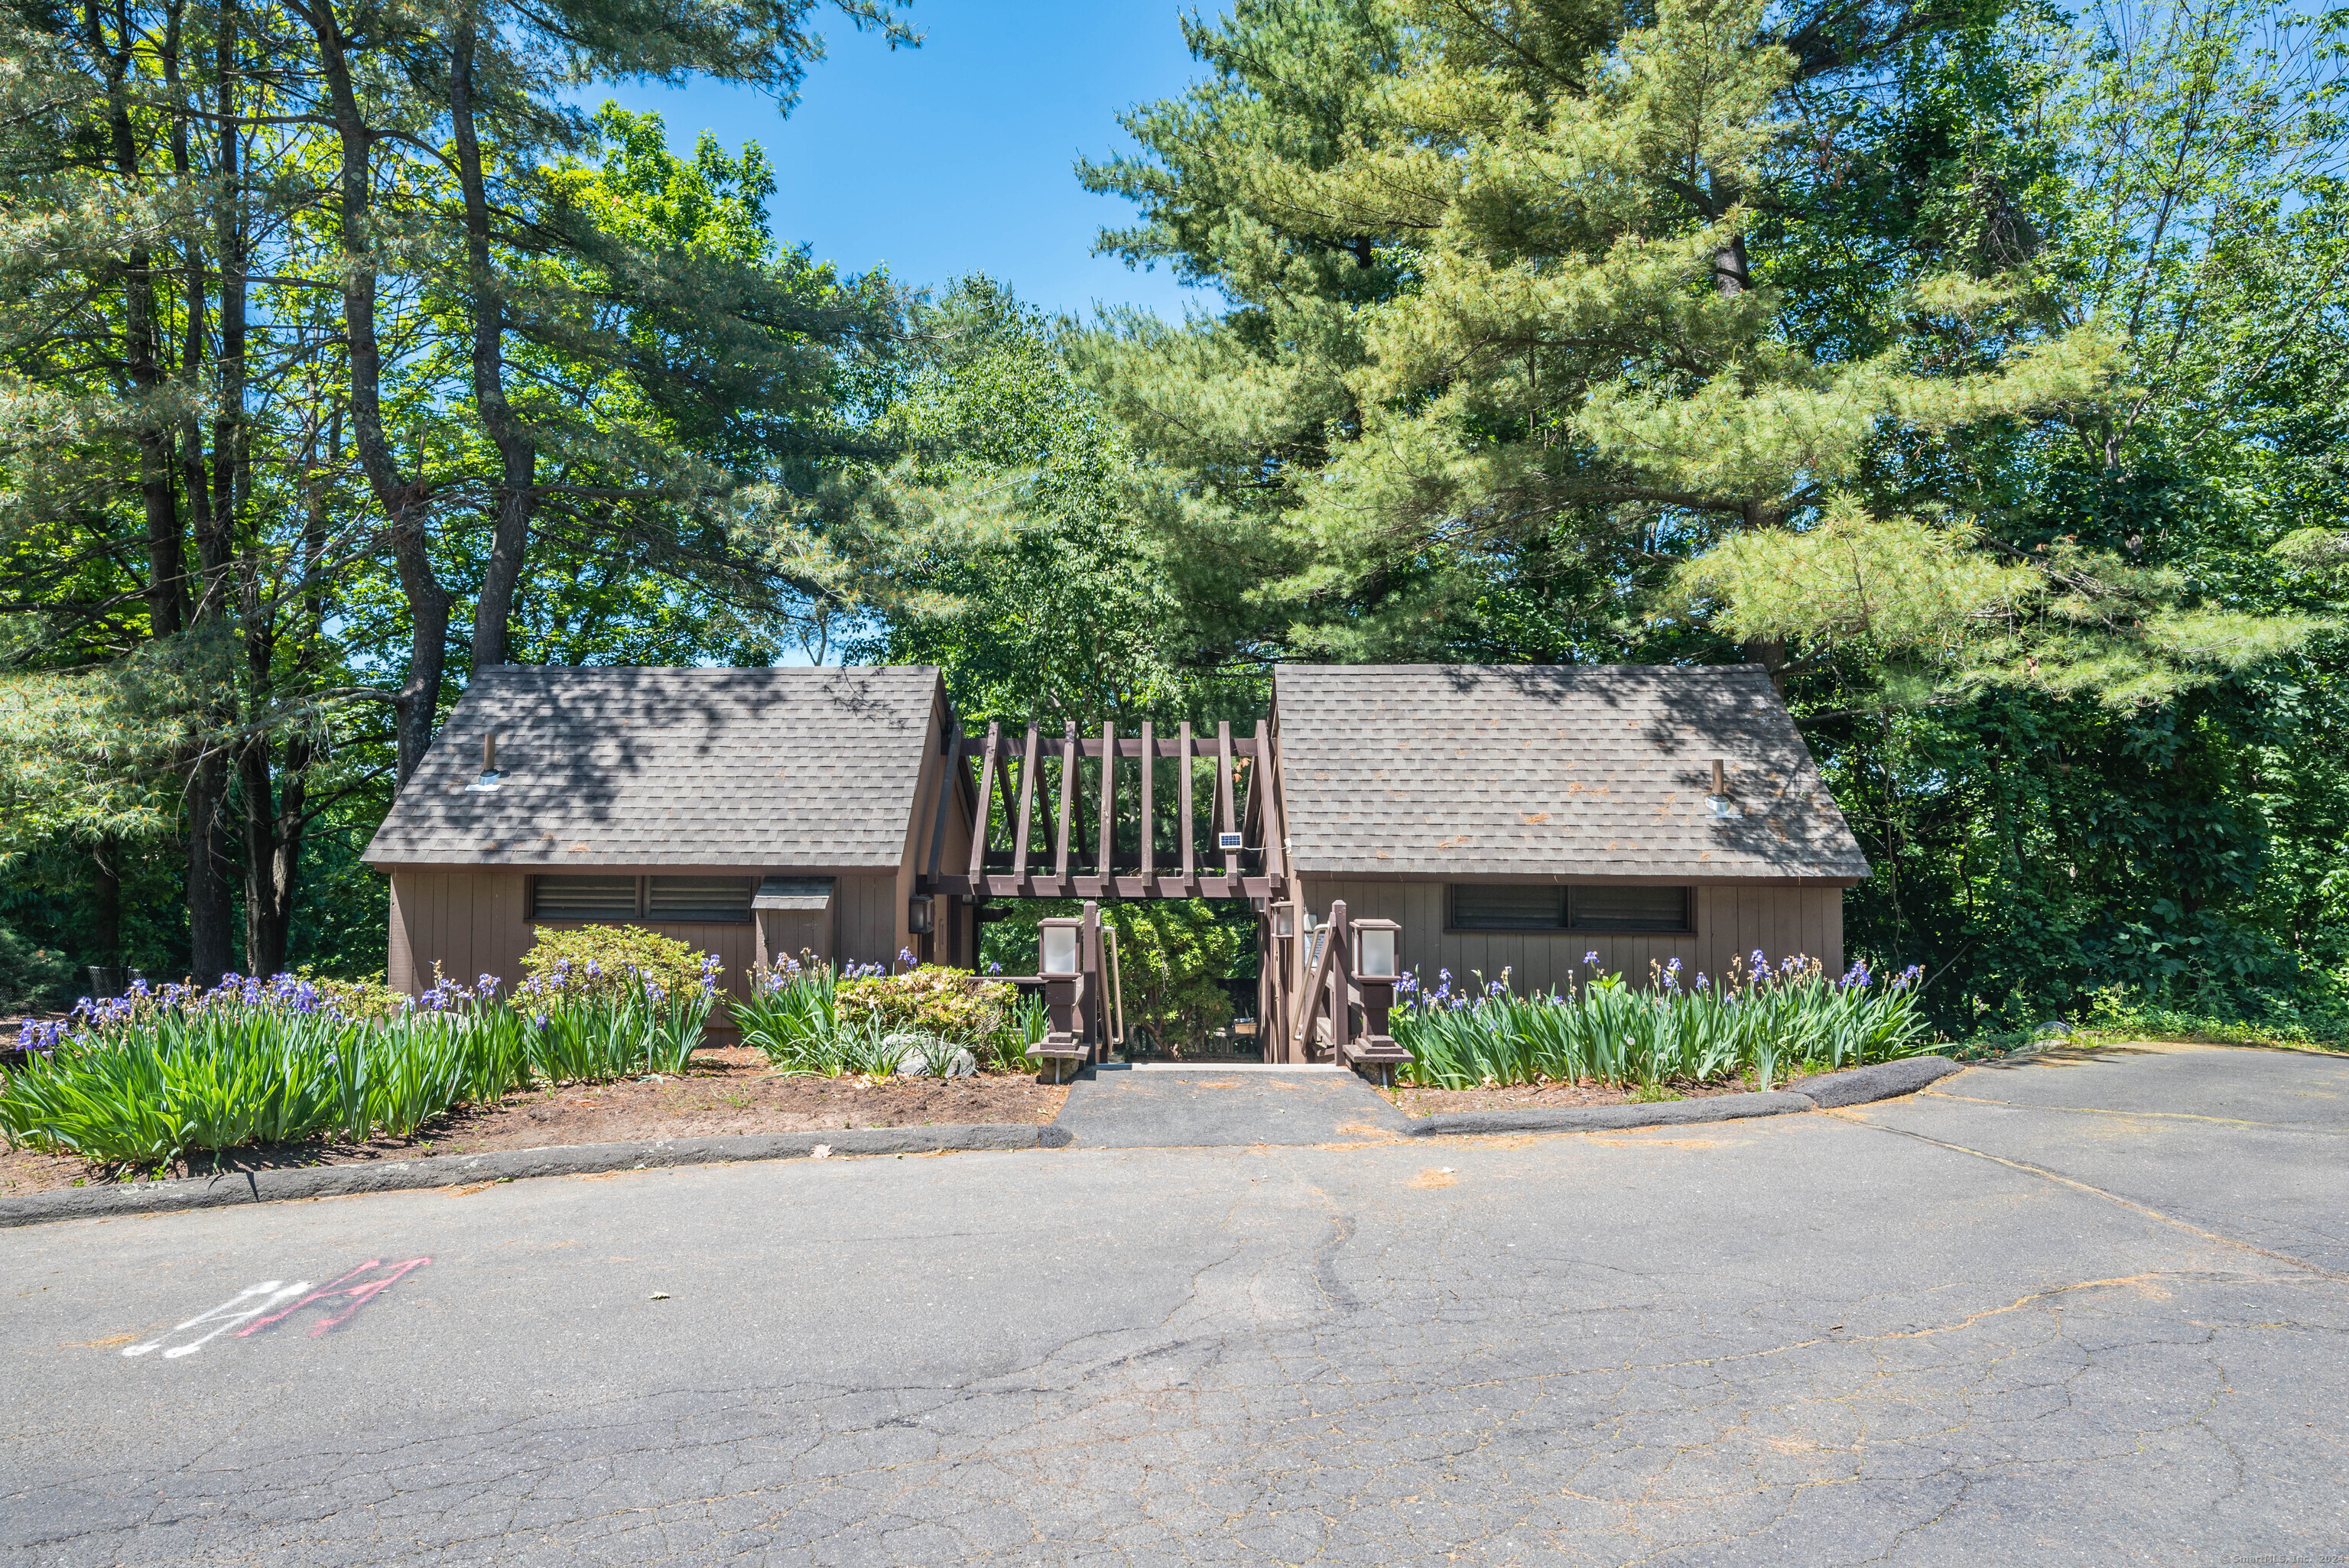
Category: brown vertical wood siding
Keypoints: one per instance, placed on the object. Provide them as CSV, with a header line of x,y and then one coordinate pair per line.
x,y
1731,922
474,923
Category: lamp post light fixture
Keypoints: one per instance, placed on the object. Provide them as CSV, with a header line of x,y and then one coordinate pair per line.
x,y
1057,955
1377,966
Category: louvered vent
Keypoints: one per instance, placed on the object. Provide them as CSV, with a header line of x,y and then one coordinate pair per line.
x,y
1505,906
698,901
582,898
1630,909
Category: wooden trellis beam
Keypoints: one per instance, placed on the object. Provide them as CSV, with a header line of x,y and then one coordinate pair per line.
x,y
1026,804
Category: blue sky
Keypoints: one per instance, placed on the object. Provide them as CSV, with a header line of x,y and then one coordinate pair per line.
x,y
955,157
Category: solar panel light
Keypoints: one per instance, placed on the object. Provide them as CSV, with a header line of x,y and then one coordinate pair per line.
x,y
1058,952
1227,841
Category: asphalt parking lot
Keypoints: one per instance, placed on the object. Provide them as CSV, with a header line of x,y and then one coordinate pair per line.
x,y
2090,1309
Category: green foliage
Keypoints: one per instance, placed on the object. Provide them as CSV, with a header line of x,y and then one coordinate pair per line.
x,y
949,1004
792,1015
1045,598
1174,956
152,1078
1928,603
810,1019
589,963
1765,1024
2318,1015
30,976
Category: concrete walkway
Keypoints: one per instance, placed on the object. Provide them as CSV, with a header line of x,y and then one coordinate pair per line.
x,y
1166,1107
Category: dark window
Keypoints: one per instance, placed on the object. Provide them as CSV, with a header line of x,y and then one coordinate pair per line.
x,y
1630,909
1502,906
582,898
708,901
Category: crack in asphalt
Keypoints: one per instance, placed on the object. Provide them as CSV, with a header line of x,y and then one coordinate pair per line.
x,y
2093,1190
2298,1126
1488,1373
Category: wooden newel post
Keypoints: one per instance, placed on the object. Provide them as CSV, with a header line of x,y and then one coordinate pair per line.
x,y
1059,960
1376,966
1093,1003
1341,980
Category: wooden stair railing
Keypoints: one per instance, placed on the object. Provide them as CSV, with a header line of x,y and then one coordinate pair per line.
x,y
1346,1015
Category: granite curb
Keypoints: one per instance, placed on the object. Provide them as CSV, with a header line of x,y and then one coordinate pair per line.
x,y
1856,1086
509,1165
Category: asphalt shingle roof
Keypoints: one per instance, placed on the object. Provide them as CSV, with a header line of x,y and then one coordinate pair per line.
x,y
1549,770
670,767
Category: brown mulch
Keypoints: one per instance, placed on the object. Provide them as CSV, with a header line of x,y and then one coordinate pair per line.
x,y
1548,1095
730,1090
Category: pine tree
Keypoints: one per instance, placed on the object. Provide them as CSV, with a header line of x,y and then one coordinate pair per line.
x,y
1564,328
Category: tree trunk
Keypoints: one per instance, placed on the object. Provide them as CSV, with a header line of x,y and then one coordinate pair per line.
x,y
106,902
273,851
405,500
210,907
517,454
166,587
210,940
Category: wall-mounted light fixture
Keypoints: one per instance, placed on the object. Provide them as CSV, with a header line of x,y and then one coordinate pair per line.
x,y
1284,918
921,914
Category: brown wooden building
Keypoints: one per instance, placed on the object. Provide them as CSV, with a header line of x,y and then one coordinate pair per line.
x,y
743,810
1519,818
1506,819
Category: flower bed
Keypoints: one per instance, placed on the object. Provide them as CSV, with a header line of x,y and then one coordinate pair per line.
x,y
1758,1021
151,1076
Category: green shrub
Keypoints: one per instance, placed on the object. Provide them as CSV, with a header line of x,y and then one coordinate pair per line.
x,y
1172,959
930,999
367,998
808,1018
2319,1015
570,964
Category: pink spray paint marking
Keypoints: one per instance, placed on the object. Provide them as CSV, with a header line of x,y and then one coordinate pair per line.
x,y
360,1296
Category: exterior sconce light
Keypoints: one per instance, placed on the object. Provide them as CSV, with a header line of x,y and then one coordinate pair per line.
x,y
1057,954
1284,920
921,917
1374,949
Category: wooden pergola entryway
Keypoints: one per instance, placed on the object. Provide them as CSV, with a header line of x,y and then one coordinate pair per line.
x,y
1245,856
1243,859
